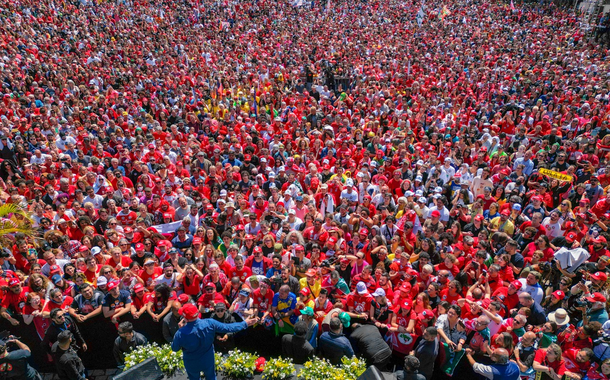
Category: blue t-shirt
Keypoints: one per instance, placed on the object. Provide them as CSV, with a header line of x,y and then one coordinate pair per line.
x,y
284,305
123,299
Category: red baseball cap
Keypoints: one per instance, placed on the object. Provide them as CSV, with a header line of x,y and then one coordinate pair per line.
x,y
139,247
332,240
517,284
406,304
112,284
596,297
13,282
305,291
189,311
435,214
249,237
600,239
426,314
559,294
54,269
600,276
505,212
363,231
128,230
138,288
210,285
479,217
196,240
311,272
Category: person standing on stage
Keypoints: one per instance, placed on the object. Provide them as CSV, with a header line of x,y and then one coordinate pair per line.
x,y
196,340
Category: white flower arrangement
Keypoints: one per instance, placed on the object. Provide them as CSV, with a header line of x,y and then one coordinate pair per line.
x,y
238,365
169,361
278,369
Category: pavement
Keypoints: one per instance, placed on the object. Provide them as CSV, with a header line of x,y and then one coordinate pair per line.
x,y
96,374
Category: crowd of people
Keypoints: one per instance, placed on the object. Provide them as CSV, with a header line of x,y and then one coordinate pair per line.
x,y
429,179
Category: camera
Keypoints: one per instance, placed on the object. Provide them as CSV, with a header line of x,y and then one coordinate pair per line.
x,y
581,303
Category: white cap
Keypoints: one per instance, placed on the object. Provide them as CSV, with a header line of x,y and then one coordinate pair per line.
x,y
223,193
349,182
95,250
292,211
422,200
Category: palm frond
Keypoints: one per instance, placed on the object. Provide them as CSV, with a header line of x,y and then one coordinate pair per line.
x,y
14,219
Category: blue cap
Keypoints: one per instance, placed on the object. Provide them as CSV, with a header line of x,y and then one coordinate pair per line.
x,y
56,279
517,207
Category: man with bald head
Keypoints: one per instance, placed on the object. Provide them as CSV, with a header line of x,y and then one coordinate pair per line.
x,y
501,368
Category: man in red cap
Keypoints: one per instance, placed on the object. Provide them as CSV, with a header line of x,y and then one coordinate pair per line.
x,y
196,340
13,301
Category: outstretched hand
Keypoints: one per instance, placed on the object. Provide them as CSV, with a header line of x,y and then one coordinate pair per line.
x,y
252,320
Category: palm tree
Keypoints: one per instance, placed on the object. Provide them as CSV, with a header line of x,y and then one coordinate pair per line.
x,y
14,219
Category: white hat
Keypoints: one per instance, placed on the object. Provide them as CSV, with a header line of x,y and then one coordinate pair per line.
x,y
223,193
559,316
95,250
418,178
361,288
419,193
292,211
409,193
349,182
379,293
422,200
438,189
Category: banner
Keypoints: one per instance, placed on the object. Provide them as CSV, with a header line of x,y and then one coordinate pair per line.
x,y
168,228
556,175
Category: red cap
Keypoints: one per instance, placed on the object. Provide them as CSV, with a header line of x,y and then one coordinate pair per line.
x,y
249,237
479,217
405,287
600,239
189,311
505,212
559,294
210,285
167,215
537,198
240,227
596,297
305,292
517,284
54,269
435,214
406,304
196,240
139,247
183,298
571,236
311,272
426,314
332,240
13,282
600,276
299,247
505,171
257,249
138,288
128,230
83,248
363,231
247,157
112,284
411,272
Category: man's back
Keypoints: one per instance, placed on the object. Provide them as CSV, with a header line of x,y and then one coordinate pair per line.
x,y
334,346
370,342
297,348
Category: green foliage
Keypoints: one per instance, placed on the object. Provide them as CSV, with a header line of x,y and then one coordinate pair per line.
x,y
170,362
278,369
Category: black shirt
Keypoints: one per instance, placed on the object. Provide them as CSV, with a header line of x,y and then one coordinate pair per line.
x,y
370,343
297,348
69,365
19,367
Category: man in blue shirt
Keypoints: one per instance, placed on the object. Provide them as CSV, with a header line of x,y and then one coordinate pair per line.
x,y
333,345
196,340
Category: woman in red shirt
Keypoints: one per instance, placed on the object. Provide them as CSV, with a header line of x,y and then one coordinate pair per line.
x,y
549,364
191,280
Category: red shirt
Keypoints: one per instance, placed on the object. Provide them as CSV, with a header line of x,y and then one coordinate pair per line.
x,y
206,300
125,261
149,279
15,302
90,275
558,366
360,302
569,357
66,303
194,287
262,302
243,274
445,296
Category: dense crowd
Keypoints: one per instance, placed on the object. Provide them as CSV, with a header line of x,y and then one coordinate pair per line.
x,y
437,171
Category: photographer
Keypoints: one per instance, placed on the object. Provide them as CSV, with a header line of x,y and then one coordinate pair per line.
x,y
14,362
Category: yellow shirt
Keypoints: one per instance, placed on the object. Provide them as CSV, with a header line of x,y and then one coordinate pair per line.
x,y
315,288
